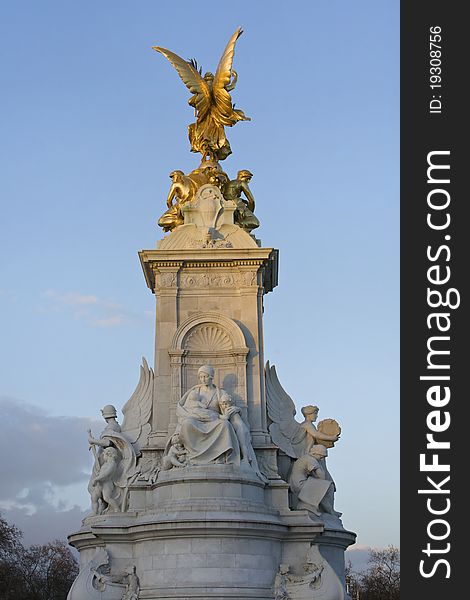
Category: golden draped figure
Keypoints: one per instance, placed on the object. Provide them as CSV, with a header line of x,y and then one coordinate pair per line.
x,y
211,101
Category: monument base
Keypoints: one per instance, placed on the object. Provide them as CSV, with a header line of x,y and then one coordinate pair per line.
x,y
206,532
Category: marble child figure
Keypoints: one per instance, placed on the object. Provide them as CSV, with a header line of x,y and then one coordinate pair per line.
x,y
232,413
101,487
248,455
175,454
115,462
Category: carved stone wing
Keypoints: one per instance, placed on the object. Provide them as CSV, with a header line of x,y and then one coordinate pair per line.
x,y
137,410
222,78
285,431
192,80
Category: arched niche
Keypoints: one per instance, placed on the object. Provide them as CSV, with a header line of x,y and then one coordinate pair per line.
x,y
209,338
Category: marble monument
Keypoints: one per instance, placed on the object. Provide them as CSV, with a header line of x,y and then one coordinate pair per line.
x,y
210,487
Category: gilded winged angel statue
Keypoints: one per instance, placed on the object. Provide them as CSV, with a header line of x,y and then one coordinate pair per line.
x,y
211,101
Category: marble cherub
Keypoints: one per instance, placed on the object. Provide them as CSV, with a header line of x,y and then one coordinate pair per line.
x,y
175,453
102,487
233,413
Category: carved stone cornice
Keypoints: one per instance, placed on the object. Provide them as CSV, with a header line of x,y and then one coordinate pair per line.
x,y
169,268
219,279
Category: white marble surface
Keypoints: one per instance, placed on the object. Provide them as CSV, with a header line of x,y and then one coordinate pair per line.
x,y
220,529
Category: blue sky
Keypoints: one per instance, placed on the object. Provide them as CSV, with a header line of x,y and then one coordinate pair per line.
x,y
93,121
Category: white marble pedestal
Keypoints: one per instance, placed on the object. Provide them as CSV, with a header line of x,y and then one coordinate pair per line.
x,y
215,531
207,532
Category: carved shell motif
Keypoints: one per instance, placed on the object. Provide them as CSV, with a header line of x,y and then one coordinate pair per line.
x,y
208,337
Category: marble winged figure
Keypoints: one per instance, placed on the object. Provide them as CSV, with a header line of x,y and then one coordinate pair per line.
x,y
118,447
306,445
295,438
211,101
137,410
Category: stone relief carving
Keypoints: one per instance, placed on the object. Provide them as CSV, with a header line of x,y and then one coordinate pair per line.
x,y
219,362
227,235
208,337
117,449
96,582
127,583
280,583
202,280
205,209
310,482
132,583
210,242
316,579
148,468
249,277
268,464
166,280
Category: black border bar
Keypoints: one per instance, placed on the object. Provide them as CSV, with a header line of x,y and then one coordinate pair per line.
x,y
435,360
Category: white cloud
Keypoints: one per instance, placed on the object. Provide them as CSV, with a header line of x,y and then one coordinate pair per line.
x,y
44,470
37,448
112,321
46,524
96,311
74,298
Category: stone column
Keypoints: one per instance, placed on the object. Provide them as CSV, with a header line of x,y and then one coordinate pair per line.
x,y
213,297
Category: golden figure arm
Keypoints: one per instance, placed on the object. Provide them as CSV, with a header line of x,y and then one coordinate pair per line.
x,y
171,195
251,201
233,82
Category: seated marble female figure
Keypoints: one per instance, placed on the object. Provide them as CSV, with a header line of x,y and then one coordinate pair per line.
x,y
207,437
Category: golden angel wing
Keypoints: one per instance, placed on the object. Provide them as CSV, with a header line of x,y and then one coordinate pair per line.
x,y
222,78
224,69
192,80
